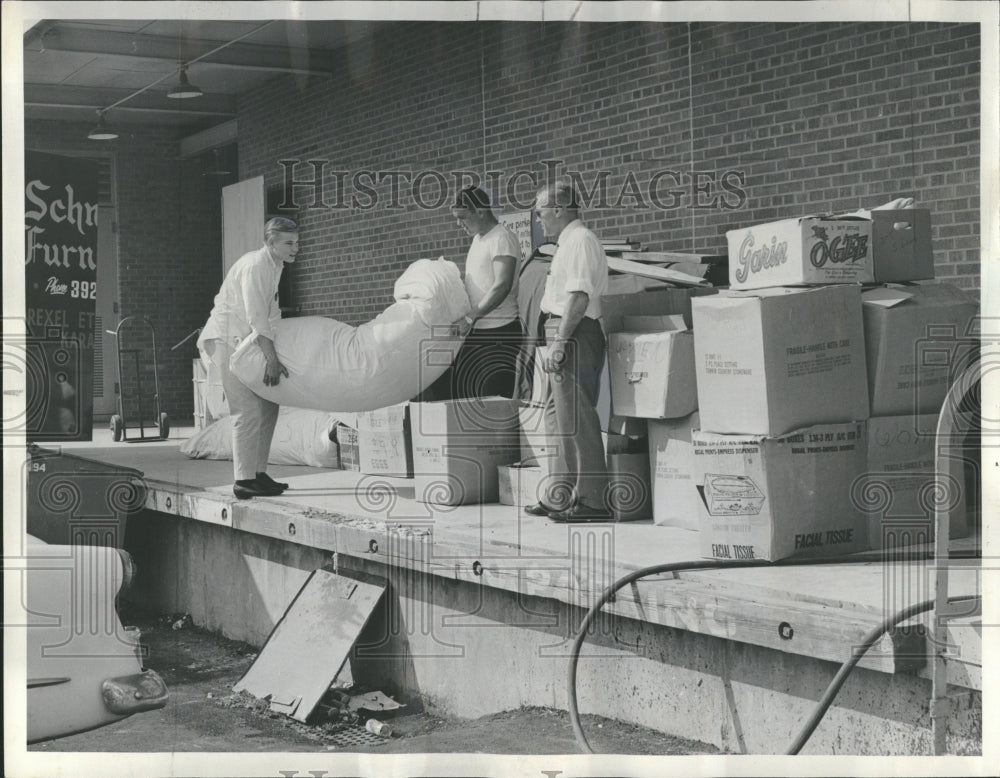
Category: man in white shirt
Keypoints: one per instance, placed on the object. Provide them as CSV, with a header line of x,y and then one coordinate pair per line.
x,y
486,363
246,304
578,477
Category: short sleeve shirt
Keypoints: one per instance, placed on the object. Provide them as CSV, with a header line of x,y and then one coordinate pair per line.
x,y
479,278
579,265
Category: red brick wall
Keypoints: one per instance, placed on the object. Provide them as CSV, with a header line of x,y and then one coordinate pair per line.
x,y
813,117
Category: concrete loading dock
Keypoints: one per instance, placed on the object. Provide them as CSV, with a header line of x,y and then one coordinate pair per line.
x,y
718,125
485,606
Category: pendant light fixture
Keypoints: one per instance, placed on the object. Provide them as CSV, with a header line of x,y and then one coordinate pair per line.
x,y
101,131
184,88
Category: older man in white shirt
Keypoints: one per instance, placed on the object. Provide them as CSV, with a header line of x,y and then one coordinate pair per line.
x,y
578,478
246,304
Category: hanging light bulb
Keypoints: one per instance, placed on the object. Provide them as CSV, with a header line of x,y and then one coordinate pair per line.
x,y
184,88
101,131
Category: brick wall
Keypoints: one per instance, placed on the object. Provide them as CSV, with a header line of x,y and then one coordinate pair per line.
x,y
169,242
803,117
809,117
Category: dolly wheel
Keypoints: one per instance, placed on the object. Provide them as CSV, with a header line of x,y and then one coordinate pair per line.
x,y
117,427
164,426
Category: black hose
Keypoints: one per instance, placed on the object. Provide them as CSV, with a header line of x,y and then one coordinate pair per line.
x,y
713,564
845,669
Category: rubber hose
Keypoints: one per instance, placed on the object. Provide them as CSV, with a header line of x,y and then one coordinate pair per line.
x,y
845,669
715,564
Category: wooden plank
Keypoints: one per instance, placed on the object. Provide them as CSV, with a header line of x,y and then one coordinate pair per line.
x,y
659,273
665,257
311,643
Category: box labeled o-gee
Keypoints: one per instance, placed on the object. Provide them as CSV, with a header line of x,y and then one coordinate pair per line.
x,y
811,250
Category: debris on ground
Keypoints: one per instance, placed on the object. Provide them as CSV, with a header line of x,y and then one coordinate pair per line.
x,y
204,714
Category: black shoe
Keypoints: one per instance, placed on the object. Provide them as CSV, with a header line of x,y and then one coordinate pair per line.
x,y
247,489
538,509
581,514
244,490
266,481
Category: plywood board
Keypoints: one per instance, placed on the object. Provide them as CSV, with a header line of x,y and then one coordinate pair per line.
x,y
311,643
659,273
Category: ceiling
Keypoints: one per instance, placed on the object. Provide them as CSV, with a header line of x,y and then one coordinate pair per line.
x,y
75,68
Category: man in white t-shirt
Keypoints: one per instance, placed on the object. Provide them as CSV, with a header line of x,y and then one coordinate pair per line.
x,y
486,363
247,304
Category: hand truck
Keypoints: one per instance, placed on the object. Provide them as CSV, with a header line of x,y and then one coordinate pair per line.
x,y
134,352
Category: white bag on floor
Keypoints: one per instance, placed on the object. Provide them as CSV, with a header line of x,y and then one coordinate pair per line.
x,y
333,366
301,437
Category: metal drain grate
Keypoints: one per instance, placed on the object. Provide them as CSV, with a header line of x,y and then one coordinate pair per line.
x,y
353,736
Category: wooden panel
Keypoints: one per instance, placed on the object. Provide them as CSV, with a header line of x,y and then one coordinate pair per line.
x,y
311,643
242,219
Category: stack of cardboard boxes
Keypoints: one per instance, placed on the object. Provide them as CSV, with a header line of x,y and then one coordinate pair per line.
x,y
450,449
810,389
791,414
812,372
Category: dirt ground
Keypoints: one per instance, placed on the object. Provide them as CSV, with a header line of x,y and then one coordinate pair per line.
x,y
203,714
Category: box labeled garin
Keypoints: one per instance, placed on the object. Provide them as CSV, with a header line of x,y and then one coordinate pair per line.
x,y
805,251
775,497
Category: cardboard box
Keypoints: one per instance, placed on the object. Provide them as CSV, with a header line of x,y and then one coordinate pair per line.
x,y
458,445
654,323
655,302
384,446
773,360
805,251
539,378
671,465
531,430
895,492
630,426
901,245
776,497
347,441
652,374
627,283
520,483
623,444
629,488
540,386
915,336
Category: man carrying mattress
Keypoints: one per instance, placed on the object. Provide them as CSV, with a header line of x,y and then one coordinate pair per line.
x,y
247,304
578,477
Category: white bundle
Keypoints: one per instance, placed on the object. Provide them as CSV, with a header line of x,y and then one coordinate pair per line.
x,y
301,437
333,366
